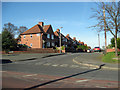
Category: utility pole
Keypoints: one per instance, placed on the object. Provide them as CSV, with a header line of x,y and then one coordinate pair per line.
x,y
60,39
105,29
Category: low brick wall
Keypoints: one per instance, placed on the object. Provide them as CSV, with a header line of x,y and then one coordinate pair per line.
x,y
112,50
36,50
42,50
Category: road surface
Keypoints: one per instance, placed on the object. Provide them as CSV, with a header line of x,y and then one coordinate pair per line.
x,y
58,72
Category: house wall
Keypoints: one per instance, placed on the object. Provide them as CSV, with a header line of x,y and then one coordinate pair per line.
x,y
35,40
50,31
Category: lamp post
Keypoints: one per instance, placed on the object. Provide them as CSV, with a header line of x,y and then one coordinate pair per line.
x,y
60,39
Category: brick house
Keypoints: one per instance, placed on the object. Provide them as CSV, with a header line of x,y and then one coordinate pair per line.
x,y
39,36
70,40
64,40
75,42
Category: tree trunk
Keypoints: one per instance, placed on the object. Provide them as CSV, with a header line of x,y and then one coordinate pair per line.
x,y
116,52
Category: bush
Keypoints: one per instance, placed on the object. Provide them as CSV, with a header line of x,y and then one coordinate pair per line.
x,y
113,42
63,48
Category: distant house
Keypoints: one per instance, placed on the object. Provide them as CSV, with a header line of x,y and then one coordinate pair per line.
x,y
75,42
38,36
64,40
70,40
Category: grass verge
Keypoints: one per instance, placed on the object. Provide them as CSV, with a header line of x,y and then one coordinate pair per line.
x,y
110,58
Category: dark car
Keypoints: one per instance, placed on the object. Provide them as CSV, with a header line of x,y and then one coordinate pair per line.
x,y
97,49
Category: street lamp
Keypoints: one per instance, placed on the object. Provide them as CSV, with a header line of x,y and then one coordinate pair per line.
x,y
60,39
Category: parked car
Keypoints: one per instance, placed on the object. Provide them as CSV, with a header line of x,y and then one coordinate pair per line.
x,y
97,49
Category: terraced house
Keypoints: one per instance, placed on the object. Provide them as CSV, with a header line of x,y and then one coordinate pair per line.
x,y
39,36
42,36
64,40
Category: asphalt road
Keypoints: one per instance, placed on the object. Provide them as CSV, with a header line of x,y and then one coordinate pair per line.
x,y
41,70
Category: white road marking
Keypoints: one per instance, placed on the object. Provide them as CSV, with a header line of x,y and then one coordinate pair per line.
x,y
83,80
74,66
64,65
29,75
47,64
55,65
38,63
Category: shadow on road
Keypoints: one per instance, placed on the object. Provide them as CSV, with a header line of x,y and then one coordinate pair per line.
x,y
33,87
54,55
28,59
3,61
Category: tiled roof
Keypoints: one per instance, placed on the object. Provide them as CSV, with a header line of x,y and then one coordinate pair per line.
x,y
46,27
68,37
56,33
35,29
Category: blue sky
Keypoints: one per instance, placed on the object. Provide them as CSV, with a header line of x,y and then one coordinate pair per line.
x,y
74,17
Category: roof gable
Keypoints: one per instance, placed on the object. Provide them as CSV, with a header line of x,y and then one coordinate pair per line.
x,y
48,29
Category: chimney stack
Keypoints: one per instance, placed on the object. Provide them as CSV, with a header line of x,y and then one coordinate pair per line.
x,y
41,24
58,30
74,38
68,35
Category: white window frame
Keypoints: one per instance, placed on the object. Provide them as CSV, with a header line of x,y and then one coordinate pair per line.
x,y
52,36
38,34
48,35
48,44
24,36
31,36
66,45
31,44
66,40
53,44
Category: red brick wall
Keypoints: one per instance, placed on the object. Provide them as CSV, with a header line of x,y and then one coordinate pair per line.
x,y
36,50
35,40
112,50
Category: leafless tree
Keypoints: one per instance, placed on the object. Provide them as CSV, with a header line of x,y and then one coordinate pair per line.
x,y
22,29
10,27
110,21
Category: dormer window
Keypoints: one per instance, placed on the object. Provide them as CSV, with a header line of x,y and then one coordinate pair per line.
x,y
52,36
48,35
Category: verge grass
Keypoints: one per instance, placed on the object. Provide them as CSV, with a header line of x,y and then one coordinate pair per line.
x,y
111,58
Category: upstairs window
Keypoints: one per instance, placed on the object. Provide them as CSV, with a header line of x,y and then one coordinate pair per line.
x,y
24,36
31,35
38,34
48,35
66,39
52,36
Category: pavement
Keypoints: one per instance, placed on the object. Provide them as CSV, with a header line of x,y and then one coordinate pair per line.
x,y
6,58
94,63
90,62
